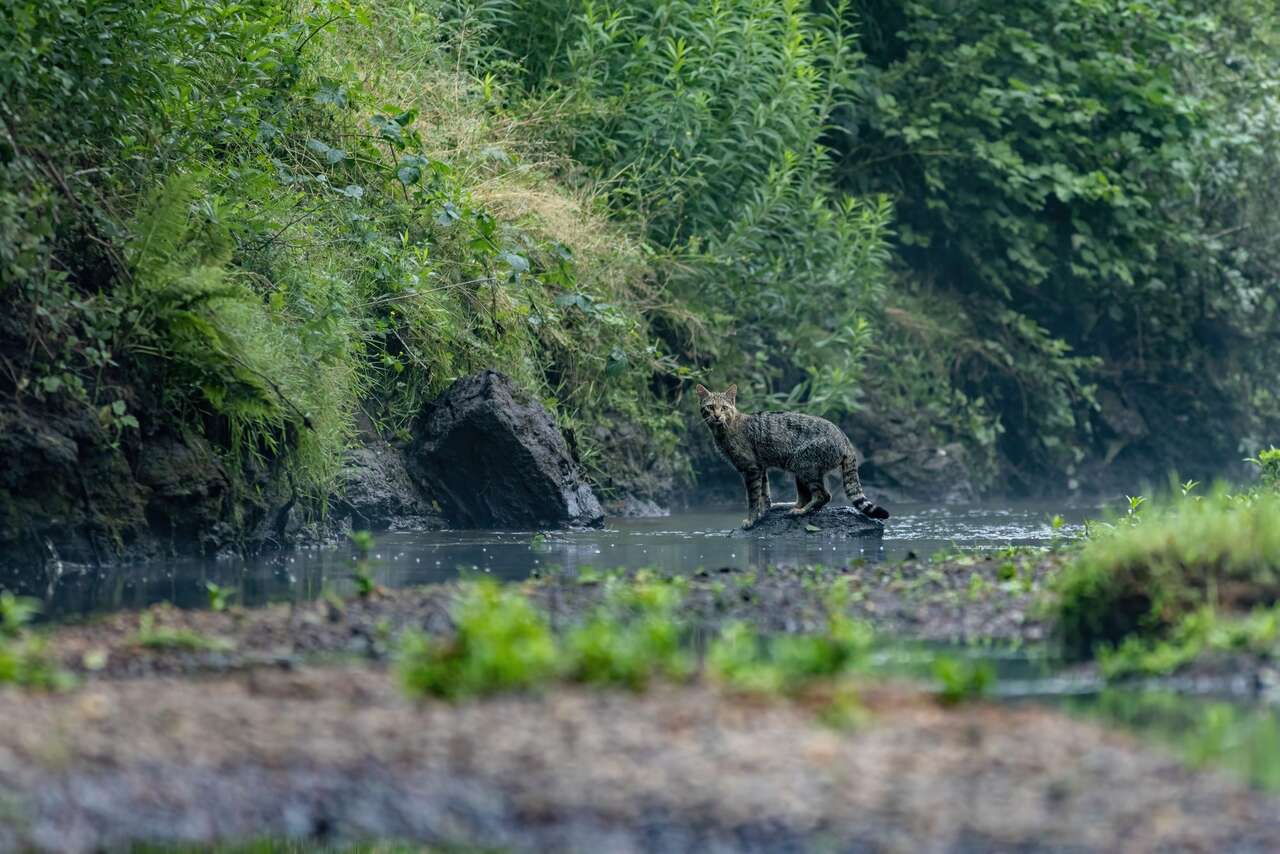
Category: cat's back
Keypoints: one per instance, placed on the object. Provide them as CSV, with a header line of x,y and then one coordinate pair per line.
x,y
776,435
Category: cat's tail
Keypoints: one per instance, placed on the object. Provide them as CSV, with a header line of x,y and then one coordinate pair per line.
x,y
853,488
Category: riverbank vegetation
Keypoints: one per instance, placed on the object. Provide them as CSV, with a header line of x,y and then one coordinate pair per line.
x,y
267,223
1156,590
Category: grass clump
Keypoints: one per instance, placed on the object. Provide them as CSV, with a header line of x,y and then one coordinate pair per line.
x,y
1268,464
633,637
502,643
24,660
1201,633
1144,576
151,636
744,658
961,680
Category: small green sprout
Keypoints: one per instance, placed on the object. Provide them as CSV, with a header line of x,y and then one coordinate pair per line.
x,y
219,596
962,680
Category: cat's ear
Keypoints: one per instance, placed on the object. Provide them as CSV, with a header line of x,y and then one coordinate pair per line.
x,y
732,392
702,391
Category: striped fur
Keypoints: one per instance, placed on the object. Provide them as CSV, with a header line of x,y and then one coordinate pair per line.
x,y
804,445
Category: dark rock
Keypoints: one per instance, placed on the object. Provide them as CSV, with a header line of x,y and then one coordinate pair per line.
x,y
187,491
495,459
71,493
66,493
831,523
636,508
377,493
902,463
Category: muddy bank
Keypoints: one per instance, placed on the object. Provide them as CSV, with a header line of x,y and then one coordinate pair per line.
x,y
70,491
339,754
914,599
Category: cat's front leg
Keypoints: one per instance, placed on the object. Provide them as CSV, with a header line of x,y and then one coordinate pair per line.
x,y
752,478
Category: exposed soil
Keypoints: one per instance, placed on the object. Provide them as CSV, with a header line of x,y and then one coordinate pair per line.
x,y
339,753
915,599
293,726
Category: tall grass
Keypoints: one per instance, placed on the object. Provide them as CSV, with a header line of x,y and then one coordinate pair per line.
x,y
705,123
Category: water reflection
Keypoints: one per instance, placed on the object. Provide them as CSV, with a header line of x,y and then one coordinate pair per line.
x,y
679,543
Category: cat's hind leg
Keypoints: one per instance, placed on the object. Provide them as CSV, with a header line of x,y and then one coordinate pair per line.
x,y
821,497
803,495
818,498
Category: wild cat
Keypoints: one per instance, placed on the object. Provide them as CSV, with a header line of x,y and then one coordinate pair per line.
x,y
805,445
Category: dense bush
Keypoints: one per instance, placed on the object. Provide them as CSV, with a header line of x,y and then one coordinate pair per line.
x,y
1089,183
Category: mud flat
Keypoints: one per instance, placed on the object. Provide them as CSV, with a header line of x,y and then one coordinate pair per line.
x,y
339,754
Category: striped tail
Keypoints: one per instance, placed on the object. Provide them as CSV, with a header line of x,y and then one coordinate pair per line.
x,y
853,489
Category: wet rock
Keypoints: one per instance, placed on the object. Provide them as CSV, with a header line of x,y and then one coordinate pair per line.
x,y
70,493
187,490
495,458
829,522
377,493
66,494
635,507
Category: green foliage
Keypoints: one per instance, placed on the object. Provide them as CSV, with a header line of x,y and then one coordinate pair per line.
x,y
502,643
223,221
1268,464
962,679
362,542
707,121
1146,574
15,613
362,573
23,658
151,636
632,637
1071,183
25,662
219,596
787,663
1197,634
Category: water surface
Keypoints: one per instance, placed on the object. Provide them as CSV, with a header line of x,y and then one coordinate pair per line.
x,y
681,543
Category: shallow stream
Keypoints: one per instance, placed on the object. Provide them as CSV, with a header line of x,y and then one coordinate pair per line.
x,y
1239,735
681,543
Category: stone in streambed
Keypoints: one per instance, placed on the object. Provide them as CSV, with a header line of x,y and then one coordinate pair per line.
x,y
495,459
830,523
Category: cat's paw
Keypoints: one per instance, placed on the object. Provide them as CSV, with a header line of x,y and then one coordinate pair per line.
x,y
750,522
797,511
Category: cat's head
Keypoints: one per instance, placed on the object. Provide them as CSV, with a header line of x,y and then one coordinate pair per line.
x,y
718,408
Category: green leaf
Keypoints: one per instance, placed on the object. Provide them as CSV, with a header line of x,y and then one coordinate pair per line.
x,y
447,215
518,263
